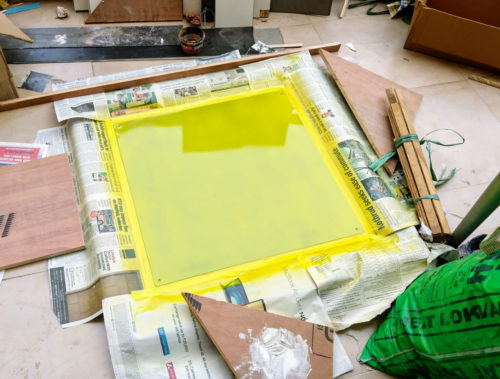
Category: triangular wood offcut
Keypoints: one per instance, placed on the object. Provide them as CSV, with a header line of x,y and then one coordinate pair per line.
x,y
38,211
7,28
257,344
134,10
364,91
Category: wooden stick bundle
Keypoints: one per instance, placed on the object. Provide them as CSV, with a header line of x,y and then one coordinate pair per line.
x,y
415,168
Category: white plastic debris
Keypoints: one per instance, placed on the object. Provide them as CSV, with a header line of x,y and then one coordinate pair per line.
x,y
61,12
351,46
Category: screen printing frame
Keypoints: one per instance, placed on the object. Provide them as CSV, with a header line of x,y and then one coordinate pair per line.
x,y
278,259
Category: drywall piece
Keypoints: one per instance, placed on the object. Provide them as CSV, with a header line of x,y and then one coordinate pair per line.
x,y
38,211
364,92
133,11
258,344
233,13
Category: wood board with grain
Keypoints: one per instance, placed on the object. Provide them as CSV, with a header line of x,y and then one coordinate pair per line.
x,y
365,94
135,11
244,335
38,211
153,78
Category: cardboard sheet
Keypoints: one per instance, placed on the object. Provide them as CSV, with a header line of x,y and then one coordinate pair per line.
x,y
460,30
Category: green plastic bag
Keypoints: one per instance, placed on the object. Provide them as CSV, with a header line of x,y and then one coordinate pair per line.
x,y
446,324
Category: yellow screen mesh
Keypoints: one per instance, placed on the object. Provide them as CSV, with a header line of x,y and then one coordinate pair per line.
x,y
224,183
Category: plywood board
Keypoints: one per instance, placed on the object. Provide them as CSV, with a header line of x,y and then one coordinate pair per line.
x,y
364,91
134,11
38,211
257,344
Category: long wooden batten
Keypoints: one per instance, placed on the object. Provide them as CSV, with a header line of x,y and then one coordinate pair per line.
x,y
153,78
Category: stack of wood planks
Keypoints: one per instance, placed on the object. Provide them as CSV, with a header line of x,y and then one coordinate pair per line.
x,y
415,167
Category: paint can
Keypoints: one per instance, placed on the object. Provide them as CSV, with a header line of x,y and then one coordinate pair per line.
x,y
191,39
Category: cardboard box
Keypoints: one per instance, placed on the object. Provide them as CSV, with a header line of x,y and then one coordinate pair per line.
x,y
462,30
7,88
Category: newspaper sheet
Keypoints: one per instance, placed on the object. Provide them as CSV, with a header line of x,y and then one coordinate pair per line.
x,y
108,266
115,103
357,286
173,344
167,339
55,139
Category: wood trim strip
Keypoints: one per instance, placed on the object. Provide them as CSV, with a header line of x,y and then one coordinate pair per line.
x,y
152,78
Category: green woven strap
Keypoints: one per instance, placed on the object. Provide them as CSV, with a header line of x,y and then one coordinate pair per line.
x,y
376,164
360,3
431,196
369,11
443,178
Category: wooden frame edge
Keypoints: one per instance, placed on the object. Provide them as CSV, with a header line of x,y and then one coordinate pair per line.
x,y
152,78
